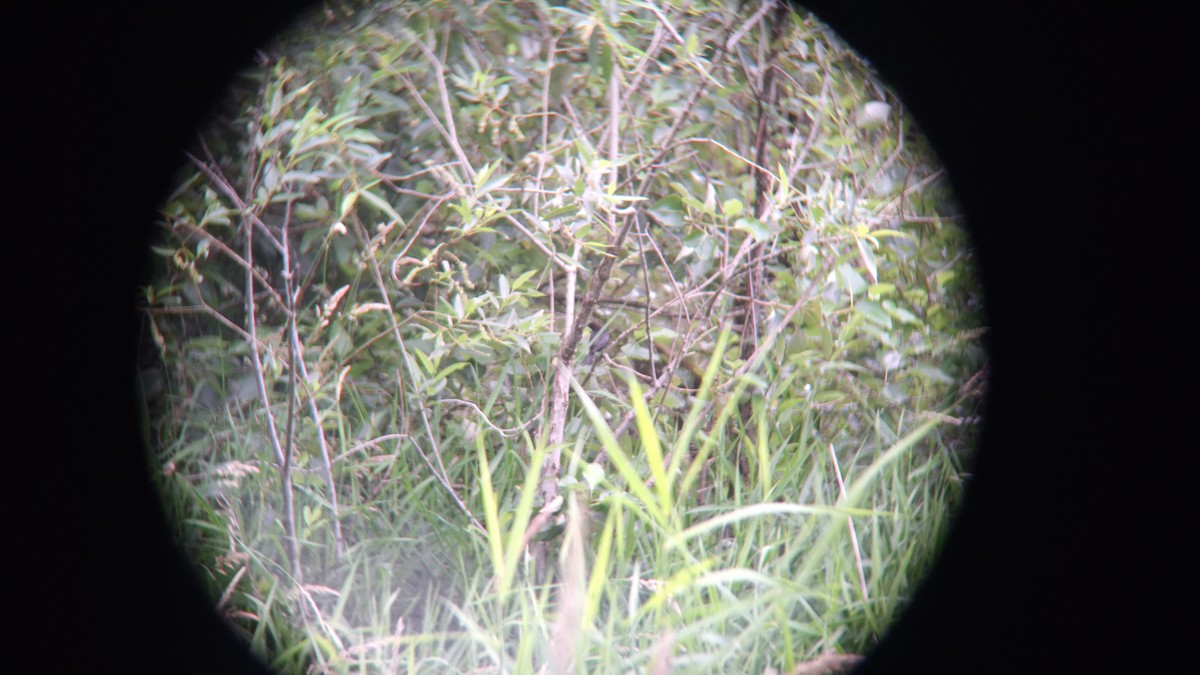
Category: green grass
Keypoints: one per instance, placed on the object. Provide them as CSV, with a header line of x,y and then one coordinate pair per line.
x,y
678,552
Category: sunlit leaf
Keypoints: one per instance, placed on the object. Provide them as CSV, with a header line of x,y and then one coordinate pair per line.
x,y
868,259
754,227
852,281
877,291
874,313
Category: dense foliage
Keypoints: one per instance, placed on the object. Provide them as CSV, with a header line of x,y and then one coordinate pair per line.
x,y
375,277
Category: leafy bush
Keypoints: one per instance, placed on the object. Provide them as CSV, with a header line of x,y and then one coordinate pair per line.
x,y
369,389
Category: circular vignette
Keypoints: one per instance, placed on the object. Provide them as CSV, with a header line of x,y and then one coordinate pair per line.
x,y
380,277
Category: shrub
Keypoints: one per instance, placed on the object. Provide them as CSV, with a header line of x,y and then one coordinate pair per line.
x,y
370,321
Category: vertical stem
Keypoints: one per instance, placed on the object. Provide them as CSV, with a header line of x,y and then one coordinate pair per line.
x,y
755,276
572,327
283,454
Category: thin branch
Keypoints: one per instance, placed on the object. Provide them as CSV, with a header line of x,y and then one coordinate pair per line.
x,y
572,327
205,308
224,186
439,471
507,433
282,457
450,131
750,23
542,247
300,373
232,255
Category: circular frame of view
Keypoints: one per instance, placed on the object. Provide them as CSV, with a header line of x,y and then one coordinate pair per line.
x,y
612,336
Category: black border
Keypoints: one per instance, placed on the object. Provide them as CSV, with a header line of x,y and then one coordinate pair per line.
x,y
1056,125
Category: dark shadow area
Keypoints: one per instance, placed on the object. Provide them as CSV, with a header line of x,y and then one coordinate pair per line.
x,y
1040,119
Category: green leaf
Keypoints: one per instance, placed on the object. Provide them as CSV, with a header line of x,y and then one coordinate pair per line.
x,y
669,210
663,335
768,510
892,233
482,175
491,511
600,56
381,204
934,373
427,365
852,281
877,291
448,370
362,136
758,231
868,259
901,313
348,203
523,279
944,277
593,473
874,313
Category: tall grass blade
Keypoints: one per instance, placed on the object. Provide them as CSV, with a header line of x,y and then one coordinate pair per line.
x,y
621,461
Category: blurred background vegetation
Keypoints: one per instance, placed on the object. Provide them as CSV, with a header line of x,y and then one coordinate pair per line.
x,y
384,252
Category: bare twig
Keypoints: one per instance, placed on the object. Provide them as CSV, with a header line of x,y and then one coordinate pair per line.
x,y
755,359
223,185
828,663
750,23
450,131
439,471
300,370
327,464
507,433
241,262
205,308
282,457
